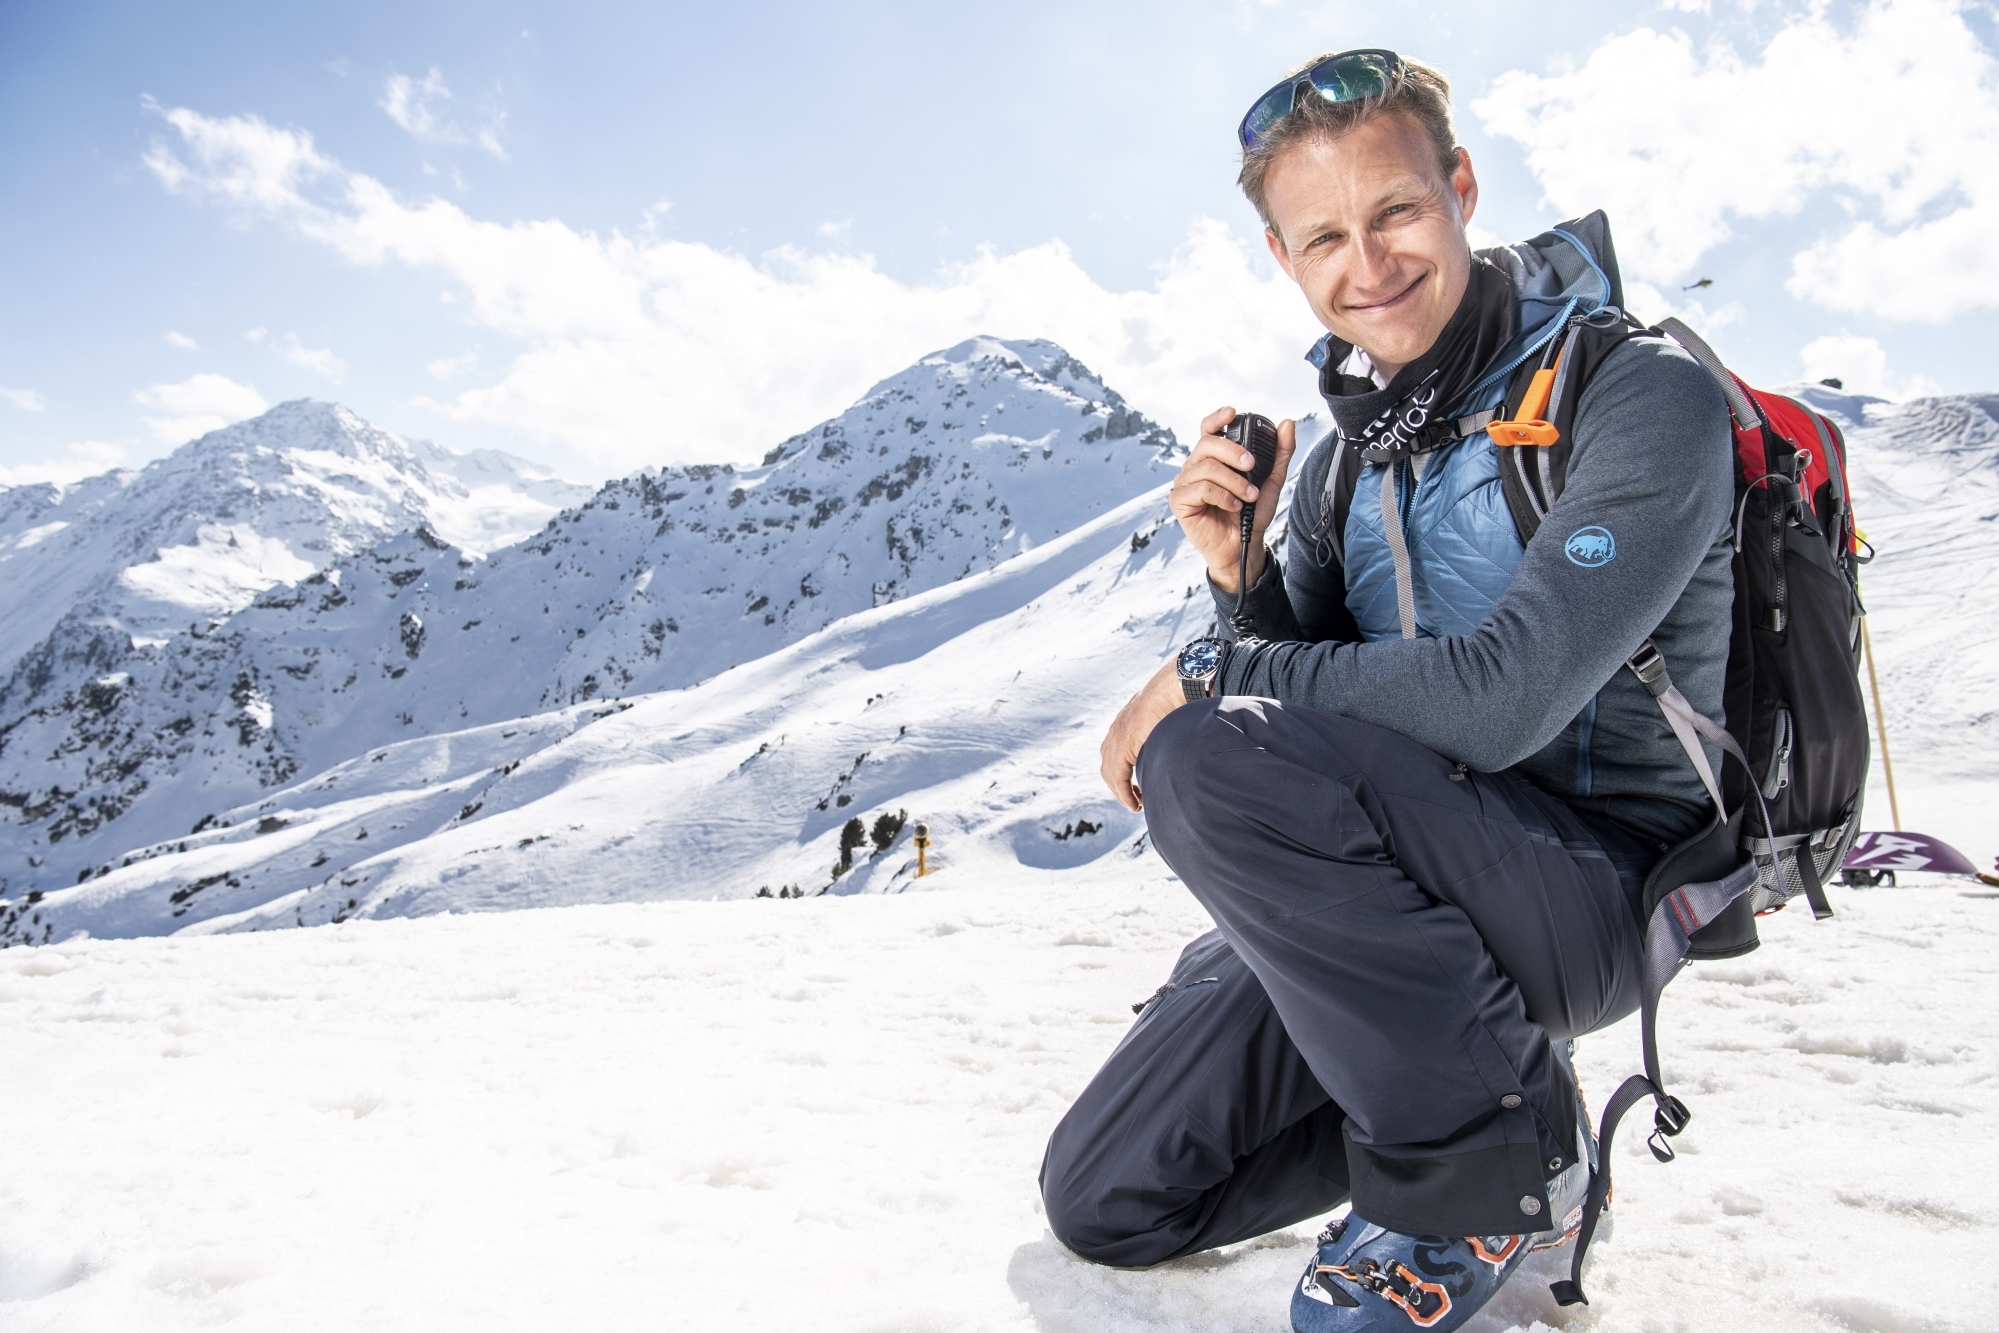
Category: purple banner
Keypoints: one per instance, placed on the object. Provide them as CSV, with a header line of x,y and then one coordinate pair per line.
x,y
1906,851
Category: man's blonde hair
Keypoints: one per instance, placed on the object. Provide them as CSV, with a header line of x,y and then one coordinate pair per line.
x,y
1421,92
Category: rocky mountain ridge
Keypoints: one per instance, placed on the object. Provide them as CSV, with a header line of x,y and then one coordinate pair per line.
x,y
198,534
972,456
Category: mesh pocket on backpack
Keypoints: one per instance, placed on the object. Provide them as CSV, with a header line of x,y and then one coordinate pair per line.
x,y
1781,878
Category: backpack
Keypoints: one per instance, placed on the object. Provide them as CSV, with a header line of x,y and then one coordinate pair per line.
x,y
1788,809
1796,728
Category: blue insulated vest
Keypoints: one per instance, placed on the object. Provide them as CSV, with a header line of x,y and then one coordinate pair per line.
x,y
1463,543
1463,546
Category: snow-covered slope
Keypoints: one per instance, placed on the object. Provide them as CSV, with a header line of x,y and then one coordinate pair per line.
x,y
976,706
949,468
499,498
1926,492
829,1115
200,533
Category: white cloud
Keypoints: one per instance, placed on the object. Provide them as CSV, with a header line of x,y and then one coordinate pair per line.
x,y
413,105
258,170
1931,271
451,367
418,105
25,399
319,360
175,338
1893,121
197,405
648,351
85,458
1861,365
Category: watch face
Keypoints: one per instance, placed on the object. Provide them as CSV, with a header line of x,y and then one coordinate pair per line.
x,y
1199,659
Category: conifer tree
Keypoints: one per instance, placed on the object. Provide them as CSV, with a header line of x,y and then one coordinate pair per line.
x,y
852,834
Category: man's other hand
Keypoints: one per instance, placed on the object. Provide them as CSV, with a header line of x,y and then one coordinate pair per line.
x,y
1211,490
1160,696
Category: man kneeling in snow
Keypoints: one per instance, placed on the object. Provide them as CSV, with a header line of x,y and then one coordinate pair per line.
x,y
1417,793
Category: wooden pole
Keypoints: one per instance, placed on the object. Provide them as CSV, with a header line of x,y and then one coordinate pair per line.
x,y
1880,723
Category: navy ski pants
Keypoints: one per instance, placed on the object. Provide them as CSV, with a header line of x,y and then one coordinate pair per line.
x,y
1396,948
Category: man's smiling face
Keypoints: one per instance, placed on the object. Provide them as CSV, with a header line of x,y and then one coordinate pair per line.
x,y
1374,234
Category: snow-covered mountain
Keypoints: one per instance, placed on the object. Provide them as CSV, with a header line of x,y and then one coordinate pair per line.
x,y
1926,493
499,497
197,535
969,457
976,706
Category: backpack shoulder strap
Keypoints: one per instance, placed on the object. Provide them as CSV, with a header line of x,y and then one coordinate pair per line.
x,y
1535,434
1739,407
1342,475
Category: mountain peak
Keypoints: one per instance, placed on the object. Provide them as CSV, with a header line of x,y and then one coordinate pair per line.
x,y
970,458
299,423
139,554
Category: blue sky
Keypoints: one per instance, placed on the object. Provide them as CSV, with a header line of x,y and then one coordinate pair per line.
x,y
608,235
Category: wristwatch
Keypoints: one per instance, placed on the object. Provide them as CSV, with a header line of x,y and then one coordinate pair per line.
x,y
1200,667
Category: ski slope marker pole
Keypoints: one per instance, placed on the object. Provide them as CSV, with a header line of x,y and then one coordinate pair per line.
x,y
1880,724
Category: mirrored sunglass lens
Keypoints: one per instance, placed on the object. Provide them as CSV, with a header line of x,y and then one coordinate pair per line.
x,y
1350,78
1272,107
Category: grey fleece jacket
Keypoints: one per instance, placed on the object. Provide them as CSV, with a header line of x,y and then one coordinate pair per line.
x,y
1539,686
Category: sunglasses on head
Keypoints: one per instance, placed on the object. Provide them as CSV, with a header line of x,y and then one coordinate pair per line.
x,y
1350,76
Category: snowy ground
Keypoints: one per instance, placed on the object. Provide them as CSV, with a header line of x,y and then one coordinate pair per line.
x,y
828,1114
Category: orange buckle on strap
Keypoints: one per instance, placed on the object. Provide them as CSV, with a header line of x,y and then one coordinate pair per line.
x,y
1527,427
1537,432
1412,1303
1384,1282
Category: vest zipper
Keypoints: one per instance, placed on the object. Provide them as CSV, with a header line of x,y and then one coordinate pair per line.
x,y
1555,327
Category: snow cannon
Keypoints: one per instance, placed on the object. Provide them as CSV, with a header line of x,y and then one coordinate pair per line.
x,y
922,840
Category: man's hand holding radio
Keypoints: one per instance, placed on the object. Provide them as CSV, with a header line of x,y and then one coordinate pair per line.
x,y
1211,490
1208,498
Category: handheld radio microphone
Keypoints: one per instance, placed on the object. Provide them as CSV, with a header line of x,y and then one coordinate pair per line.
x,y
1258,435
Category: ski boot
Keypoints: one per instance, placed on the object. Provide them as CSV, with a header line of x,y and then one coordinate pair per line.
x,y
1366,1279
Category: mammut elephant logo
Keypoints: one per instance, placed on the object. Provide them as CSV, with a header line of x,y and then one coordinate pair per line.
x,y
1592,548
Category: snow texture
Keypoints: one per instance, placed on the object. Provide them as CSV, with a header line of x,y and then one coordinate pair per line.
x,y
829,1114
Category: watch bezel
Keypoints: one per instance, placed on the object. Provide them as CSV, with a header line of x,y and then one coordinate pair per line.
x,y
1190,681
